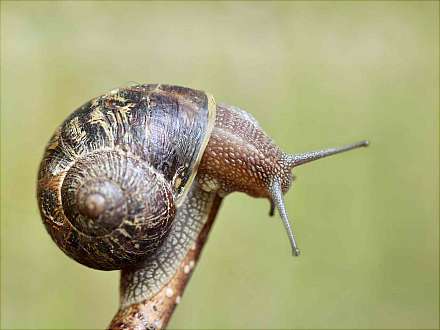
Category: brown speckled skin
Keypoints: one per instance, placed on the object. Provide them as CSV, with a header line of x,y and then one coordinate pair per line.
x,y
241,157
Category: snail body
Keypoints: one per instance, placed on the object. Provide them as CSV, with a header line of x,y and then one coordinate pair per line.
x,y
128,180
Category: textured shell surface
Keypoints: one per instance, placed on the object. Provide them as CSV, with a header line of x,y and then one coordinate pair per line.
x,y
124,145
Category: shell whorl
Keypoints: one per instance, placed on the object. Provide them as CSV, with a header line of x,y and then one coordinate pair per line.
x,y
136,209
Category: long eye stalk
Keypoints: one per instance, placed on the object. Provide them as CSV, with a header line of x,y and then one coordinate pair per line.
x,y
296,160
293,161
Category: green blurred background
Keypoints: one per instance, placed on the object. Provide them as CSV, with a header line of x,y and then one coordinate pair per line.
x,y
313,74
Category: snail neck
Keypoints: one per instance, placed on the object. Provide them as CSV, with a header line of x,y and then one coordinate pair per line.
x,y
239,156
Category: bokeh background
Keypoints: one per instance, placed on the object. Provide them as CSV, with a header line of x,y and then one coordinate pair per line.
x,y
314,74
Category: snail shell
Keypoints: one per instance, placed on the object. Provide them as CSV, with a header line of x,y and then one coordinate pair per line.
x,y
116,170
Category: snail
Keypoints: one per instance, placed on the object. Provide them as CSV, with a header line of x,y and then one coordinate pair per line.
x,y
128,180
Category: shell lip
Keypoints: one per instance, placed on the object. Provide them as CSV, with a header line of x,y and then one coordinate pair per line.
x,y
212,108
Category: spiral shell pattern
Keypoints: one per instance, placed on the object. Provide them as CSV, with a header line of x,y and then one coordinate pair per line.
x,y
136,210
115,171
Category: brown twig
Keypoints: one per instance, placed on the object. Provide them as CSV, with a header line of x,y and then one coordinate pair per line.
x,y
155,313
